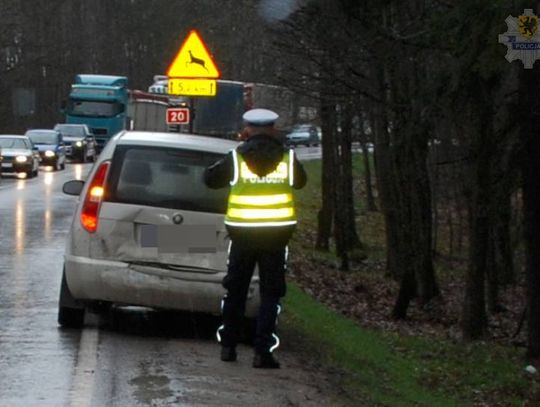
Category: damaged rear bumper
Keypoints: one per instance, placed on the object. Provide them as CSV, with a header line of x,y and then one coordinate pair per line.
x,y
124,283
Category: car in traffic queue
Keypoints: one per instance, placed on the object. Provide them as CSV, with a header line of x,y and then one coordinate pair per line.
x,y
305,134
50,146
80,142
18,155
147,231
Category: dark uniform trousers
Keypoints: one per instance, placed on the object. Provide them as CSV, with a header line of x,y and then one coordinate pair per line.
x,y
272,267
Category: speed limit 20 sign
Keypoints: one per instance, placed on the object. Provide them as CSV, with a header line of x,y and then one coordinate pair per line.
x,y
178,115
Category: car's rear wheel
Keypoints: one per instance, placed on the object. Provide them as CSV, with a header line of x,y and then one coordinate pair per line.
x,y
70,317
70,313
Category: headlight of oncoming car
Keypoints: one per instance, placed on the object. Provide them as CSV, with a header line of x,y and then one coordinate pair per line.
x,y
49,153
21,158
78,143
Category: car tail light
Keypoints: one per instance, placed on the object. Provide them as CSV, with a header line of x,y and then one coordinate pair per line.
x,y
94,197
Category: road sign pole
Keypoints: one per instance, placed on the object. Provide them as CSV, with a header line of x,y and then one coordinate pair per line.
x,y
193,113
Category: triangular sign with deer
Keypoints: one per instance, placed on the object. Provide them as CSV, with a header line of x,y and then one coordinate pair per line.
x,y
193,60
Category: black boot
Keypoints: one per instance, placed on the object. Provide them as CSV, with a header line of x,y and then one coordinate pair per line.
x,y
265,361
228,354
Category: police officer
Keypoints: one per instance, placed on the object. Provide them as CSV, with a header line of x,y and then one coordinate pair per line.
x,y
260,220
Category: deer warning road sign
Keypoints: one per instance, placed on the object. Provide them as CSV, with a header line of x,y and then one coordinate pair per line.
x,y
178,115
193,60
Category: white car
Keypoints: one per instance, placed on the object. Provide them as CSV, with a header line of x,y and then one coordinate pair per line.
x,y
306,134
19,155
147,231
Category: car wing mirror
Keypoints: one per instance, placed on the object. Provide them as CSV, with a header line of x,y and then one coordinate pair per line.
x,y
73,187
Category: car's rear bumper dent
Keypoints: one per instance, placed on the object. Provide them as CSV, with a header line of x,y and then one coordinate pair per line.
x,y
120,282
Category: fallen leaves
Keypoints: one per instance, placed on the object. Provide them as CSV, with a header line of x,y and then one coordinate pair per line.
x,y
366,296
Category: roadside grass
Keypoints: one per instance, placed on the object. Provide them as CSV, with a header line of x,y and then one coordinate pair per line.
x,y
385,369
382,369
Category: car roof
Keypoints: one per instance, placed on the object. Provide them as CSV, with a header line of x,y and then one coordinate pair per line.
x,y
42,130
14,136
69,125
176,140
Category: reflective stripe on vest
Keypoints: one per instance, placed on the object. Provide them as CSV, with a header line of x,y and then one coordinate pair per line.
x,y
261,201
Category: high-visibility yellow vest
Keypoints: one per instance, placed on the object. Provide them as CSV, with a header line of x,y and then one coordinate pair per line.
x,y
261,201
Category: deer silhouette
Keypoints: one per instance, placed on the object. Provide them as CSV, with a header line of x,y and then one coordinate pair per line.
x,y
195,60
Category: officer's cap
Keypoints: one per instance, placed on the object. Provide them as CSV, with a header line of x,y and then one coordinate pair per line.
x,y
260,117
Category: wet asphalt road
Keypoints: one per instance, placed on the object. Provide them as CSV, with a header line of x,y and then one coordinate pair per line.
x,y
124,356
36,358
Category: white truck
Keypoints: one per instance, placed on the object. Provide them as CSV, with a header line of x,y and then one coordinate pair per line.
x,y
147,111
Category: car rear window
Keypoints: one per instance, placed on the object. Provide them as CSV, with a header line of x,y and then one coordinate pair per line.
x,y
164,177
77,131
43,137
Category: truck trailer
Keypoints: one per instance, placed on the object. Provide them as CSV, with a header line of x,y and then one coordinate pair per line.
x,y
216,116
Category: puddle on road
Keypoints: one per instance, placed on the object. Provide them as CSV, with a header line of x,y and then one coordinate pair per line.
x,y
153,390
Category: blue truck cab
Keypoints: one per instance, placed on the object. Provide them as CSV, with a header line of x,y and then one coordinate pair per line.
x,y
100,102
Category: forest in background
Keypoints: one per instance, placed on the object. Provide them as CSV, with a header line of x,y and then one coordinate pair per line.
x,y
44,44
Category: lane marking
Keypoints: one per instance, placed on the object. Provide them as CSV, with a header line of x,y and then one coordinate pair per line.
x,y
85,369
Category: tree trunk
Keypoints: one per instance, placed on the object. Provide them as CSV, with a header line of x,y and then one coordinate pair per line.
x,y
425,273
474,321
502,236
530,123
367,158
383,174
501,258
345,154
328,176
410,136
370,200
415,231
492,277
340,199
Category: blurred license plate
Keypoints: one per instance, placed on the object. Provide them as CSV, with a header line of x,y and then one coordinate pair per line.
x,y
7,165
180,238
